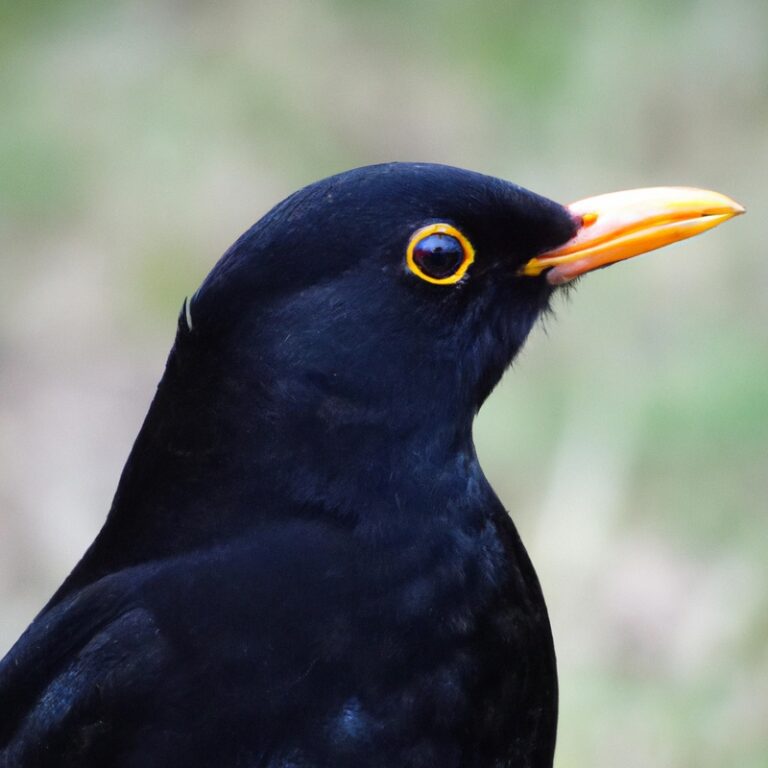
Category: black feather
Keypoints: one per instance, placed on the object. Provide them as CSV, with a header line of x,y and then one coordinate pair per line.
x,y
304,565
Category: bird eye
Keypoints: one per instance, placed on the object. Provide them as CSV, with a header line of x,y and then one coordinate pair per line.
x,y
439,254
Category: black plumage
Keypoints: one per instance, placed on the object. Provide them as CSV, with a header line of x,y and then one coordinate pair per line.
x,y
304,565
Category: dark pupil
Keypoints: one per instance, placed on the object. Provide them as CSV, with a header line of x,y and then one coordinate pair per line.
x,y
438,255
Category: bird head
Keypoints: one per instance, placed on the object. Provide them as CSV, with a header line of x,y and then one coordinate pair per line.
x,y
403,291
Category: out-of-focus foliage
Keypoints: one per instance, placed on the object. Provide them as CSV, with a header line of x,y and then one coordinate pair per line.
x,y
138,139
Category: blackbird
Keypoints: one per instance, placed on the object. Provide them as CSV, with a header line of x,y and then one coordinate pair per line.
x,y
304,565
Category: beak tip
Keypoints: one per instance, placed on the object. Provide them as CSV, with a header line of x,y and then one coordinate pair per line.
x,y
730,206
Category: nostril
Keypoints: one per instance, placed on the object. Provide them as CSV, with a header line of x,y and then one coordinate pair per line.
x,y
588,219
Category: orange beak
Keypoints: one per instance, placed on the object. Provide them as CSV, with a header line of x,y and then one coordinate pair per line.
x,y
621,225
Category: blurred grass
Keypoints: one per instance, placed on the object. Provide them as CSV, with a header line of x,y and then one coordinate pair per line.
x,y
630,441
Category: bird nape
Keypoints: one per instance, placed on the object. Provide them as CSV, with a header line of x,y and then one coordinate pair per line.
x,y
304,565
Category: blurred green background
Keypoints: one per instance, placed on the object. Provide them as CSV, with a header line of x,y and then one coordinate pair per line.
x,y
630,442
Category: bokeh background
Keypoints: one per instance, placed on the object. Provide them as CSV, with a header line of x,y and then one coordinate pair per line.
x,y
139,138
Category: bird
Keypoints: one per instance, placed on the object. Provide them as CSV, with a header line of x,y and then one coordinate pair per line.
x,y
304,565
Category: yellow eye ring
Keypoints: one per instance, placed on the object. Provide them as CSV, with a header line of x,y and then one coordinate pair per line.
x,y
420,235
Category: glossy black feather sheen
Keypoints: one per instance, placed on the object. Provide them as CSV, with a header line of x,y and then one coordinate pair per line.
x,y
304,565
